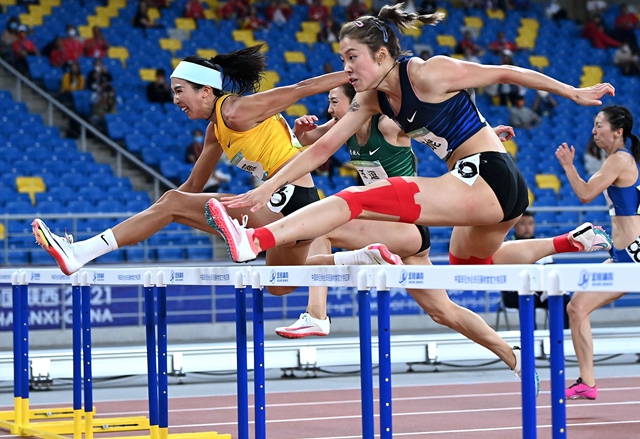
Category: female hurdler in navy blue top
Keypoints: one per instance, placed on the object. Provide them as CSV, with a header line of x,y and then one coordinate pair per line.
x,y
619,179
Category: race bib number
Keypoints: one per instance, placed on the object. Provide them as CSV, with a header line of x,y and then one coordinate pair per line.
x,y
370,172
437,144
280,198
467,169
634,251
253,168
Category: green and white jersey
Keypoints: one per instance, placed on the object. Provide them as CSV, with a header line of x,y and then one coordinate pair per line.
x,y
378,159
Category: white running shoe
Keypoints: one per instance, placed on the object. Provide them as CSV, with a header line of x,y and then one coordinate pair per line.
x,y
379,254
518,369
305,326
61,248
239,239
590,238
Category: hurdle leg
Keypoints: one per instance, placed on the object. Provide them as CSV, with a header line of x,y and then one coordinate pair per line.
x,y
384,362
556,340
528,359
366,363
24,339
259,382
86,357
152,371
241,359
76,315
163,384
17,354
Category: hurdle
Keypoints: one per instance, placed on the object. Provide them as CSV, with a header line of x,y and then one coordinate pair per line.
x,y
367,280
574,277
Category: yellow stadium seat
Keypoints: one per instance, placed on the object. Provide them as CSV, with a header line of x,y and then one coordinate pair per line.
x,y
147,74
348,170
306,37
414,32
539,61
548,181
446,41
496,14
295,57
116,3
153,14
457,56
210,14
175,62
187,24
336,47
107,11
31,186
329,3
297,110
30,20
511,147
311,26
475,22
98,20
243,35
3,232
40,10
207,53
85,31
272,75
265,46
120,53
532,23
170,44
531,197
8,2
269,80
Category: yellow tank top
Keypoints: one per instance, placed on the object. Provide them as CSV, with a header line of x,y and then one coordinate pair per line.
x,y
261,150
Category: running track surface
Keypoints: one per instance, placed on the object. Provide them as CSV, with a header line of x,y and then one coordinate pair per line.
x,y
456,411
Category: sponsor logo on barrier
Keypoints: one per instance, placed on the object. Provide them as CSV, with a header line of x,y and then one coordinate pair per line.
x,y
5,276
59,277
411,277
35,276
278,277
327,277
479,279
98,277
129,277
176,276
595,279
215,277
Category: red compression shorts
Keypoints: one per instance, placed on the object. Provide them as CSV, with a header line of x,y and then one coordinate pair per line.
x,y
395,198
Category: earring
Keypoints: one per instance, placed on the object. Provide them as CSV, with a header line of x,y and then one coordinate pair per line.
x,y
380,63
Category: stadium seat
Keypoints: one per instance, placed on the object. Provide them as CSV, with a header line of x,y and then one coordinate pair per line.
x,y
30,185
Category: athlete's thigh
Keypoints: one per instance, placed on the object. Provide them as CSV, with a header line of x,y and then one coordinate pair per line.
x,y
447,201
291,255
401,238
479,241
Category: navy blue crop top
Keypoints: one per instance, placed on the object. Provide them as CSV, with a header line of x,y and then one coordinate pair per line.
x,y
624,201
443,126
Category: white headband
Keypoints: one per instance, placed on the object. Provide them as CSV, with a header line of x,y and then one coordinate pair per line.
x,y
198,74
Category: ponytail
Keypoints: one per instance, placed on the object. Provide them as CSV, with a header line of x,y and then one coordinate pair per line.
x,y
621,118
635,147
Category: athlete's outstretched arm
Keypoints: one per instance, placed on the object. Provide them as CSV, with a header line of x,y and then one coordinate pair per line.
x,y
312,157
262,105
446,75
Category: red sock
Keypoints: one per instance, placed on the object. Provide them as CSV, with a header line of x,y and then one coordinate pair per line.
x,y
265,238
563,245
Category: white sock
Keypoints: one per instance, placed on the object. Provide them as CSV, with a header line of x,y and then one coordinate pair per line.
x,y
349,258
90,249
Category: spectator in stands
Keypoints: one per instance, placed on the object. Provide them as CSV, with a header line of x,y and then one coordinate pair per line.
x,y
98,76
525,228
318,11
356,8
278,12
97,46
9,36
72,44
505,94
72,80
232,9
160,4
518,5
626,60
467,42
159,90
555,11
594,31
193,9
425,54
58,56
104,102
593,157
468,56
596,7
141,19
544,103
253,21
500,44
624,29
619,178
194,149
329,31
23,47
522,116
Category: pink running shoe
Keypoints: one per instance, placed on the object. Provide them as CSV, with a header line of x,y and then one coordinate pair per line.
x,y
379,254
239,239
590,238
580,390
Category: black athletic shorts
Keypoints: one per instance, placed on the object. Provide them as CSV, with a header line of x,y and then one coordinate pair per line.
x,y
290,198
426,238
